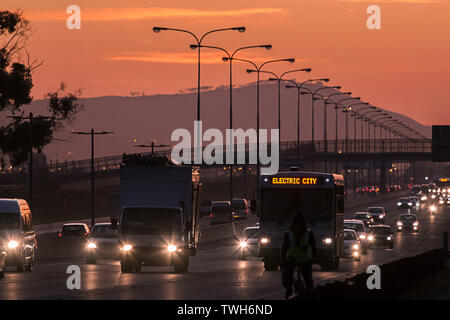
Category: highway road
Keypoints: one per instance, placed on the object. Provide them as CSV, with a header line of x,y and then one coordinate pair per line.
x,y
215,273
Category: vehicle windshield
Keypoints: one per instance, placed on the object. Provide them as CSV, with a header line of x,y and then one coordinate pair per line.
x,y
73,230
250,234
9,221
375,210
410,218
150,220
358,227
221,208
282,204
404,200
104,231
360,216
239,204
348,235
380,231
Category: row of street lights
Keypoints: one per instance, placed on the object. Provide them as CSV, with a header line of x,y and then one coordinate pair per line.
x,y
394,127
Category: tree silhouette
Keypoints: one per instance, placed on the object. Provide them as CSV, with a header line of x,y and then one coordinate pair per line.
x,y
16,82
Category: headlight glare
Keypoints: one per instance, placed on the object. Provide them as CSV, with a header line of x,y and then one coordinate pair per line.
x,y
264,240
92,245
127,247
171,248
13,244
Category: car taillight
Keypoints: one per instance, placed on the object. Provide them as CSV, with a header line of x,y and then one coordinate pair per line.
x,y
59,234
246,210
211,215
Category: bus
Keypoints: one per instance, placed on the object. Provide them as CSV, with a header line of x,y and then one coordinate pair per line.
x,y
319,196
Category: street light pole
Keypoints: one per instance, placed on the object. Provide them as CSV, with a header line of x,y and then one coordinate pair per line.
x,y
229,58
299,86
152,146
92,133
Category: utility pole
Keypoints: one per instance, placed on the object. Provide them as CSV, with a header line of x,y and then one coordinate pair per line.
x,y
152,146
92,133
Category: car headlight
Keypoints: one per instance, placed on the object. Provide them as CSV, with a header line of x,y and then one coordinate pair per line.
x,y
92,245
432,208
370,238
171,248
264,240
327,240
399,203
243,244
362,236
416,223
355,253
441,201
127,247
409,203
399,223
13,244
433,196
355,246
389,238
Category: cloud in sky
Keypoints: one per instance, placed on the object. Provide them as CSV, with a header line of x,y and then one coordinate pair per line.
x,y
180,58
132,14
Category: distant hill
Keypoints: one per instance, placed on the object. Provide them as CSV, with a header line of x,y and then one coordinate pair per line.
x,y
139,119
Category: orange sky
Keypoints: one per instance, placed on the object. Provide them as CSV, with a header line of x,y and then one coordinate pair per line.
x,y
403,67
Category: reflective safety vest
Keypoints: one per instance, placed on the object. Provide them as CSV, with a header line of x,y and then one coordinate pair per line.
x,y
299,251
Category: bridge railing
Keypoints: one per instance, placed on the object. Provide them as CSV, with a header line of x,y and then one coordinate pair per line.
x,y
287,148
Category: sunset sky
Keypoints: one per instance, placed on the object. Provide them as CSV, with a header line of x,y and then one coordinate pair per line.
x,y
404,67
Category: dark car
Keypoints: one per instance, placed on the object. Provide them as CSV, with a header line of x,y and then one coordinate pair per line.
x,y
407,222
2,257
240,208
378,214
74,230
404,203
102,243
381,235
366,217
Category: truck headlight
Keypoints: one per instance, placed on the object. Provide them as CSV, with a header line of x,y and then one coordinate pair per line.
x,y
127,247
13,244
327,240
171,248
264,240
92,245
243,244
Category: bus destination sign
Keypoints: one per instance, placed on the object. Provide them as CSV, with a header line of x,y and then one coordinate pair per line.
x,y
297,180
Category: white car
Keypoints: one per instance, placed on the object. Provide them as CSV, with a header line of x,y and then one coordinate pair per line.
x,y
360,228
249,242
352,245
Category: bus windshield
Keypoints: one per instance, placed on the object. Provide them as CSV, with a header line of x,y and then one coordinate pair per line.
x,y
282,204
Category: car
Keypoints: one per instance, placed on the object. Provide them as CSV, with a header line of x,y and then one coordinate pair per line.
x,y
381,234
17,228
221,212
102,243
2,257
404,203
366,217
249,242
360,228
240,208
205,208
74,230
415,203
378,214
352,245
408,222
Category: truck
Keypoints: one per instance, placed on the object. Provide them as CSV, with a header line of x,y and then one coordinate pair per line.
x,y
158,224
318,196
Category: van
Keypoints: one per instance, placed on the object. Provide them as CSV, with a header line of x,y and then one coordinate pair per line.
x,y
16,228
